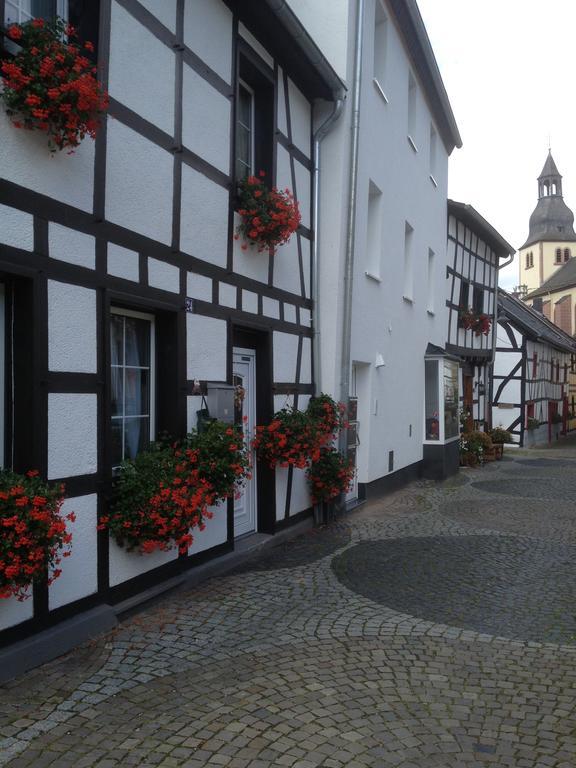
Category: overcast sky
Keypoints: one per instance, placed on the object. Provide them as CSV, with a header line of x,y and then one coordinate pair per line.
x,y
508,67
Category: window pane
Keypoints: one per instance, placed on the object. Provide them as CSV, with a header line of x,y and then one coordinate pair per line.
x,y
117,393
45,9
451,398
137,392
244,107
432,400
243,145
137,341
116,442
136,436
117,340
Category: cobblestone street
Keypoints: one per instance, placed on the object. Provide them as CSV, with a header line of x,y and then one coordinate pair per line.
x,y
436,627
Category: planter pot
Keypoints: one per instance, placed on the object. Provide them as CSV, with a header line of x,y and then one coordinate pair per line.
x,y
468,459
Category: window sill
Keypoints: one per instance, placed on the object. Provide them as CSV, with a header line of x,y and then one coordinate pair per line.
x,y
412,143
433,180
431,312
380,91
372,276
408,299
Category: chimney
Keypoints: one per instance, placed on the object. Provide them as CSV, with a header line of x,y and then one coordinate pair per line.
x,y
537,304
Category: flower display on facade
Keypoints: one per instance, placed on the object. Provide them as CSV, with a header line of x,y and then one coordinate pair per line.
x,y
33,537
479,322
329,476
50,85
166,491
269,216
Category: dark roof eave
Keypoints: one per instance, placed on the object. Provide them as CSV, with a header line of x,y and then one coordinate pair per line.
x,y
470,216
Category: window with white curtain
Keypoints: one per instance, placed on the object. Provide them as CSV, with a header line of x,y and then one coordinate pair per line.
x,y
132,383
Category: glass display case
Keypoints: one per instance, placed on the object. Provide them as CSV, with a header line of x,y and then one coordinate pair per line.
x,y
441,422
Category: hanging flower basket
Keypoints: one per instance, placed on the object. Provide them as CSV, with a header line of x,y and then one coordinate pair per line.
x,y
269,216
33,535
329,476
166,491
480,323
50,85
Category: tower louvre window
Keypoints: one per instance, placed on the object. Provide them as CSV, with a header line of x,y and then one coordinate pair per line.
x,y
558,259
567,254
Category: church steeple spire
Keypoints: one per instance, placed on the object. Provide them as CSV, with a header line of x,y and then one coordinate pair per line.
x,y
550,180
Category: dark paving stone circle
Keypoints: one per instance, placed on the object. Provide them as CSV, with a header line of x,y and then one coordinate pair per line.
x,y
563,489
500,585
547,462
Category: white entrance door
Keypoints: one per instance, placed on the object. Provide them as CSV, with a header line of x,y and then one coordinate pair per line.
x,y
244,378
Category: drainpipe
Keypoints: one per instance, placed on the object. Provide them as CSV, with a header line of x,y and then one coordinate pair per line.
x,y
319,135
350,240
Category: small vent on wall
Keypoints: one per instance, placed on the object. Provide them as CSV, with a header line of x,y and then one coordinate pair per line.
x,y
390,461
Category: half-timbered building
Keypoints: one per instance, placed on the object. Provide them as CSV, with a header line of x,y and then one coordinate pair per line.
x,y
530,384
124,294
475,253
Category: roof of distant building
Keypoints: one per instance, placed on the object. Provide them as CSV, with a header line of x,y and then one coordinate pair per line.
x,y
533,323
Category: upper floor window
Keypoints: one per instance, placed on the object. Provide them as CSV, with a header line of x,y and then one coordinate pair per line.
x,y
380,44
412,101
254,120
478,300
132,354
464,294
433,159
558,256
83,15
529,260
567,254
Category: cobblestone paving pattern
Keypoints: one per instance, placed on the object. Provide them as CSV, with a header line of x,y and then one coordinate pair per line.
x,y
430,629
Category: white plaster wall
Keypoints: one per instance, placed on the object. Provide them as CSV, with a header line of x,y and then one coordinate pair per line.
x,y
215,532
13,612
284,181
163,276
328,26
505,417
16,228
26,160
249,262
227,295
300,497
139,181
206,120
285,353
199,287
193,405
72,246
289,313
133,51
79,576
204,218
281,488
164,10
281,102
124,263
286,269
126,565
71,328
270,307
249,301
207,21
72,434
306,364
300,119
206,348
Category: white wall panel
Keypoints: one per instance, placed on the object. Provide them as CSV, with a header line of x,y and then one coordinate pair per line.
x,y
270,307
72,246
227,295
79,576
281,112
139,181
204,219
281,488
72,434
13,612
215,532
285,355
71,328
134,51
206,348
286,267
164,10
164,276
199,287
249,301
26,160
208,32
306,367
300,119
206,121
249,262
193,405
126,565
123,262
16,227
300,497
289,313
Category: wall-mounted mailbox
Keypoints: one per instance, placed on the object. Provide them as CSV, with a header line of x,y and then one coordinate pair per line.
x,y
220,399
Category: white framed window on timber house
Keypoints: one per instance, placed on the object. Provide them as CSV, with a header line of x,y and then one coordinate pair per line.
x,y
83,15
412,104
133,383
380,49
245,133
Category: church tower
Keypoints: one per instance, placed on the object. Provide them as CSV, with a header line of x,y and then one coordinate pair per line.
x,y
551,241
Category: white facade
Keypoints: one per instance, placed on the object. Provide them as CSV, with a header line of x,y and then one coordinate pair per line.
x,y
399,240
141,222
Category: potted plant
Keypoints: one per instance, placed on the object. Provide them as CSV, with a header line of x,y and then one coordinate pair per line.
x,y
532,424
34,537
475,448
269,216
499,437
50,85
479,322
328,477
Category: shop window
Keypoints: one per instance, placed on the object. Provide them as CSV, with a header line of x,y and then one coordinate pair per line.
x,y
254,121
